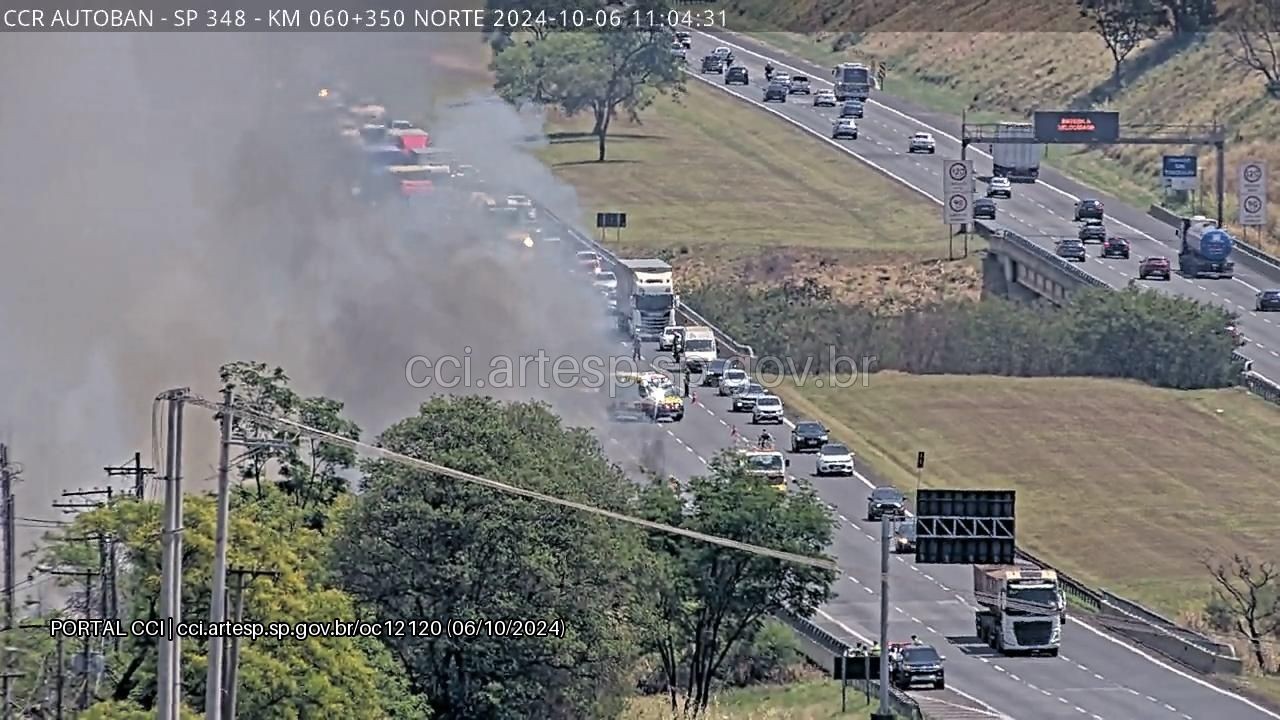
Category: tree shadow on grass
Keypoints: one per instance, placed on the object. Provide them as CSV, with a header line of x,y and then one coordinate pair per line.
x,y
584,163
573,137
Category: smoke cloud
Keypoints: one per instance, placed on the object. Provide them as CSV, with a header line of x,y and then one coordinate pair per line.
x,y
168,207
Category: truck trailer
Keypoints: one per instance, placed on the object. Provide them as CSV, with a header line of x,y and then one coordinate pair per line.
x,y
1019,162
1205,249
1022,608
646,297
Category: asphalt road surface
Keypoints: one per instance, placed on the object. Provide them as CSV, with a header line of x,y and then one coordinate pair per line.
x,y
1096,676
1040,211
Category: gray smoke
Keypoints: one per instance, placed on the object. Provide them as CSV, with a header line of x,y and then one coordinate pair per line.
x,y
167,207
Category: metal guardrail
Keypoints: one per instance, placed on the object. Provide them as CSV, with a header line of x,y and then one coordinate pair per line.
x,y
900,703
1173,219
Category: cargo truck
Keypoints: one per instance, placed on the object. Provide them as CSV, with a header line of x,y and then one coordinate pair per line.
x,y
1205,249
852,81
698,347
1019,162
1022,608
646,297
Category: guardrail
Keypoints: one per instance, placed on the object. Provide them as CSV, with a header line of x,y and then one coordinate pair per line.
x,y
1173,219
1116,613
828,652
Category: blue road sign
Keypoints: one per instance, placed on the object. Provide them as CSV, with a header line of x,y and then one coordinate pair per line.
x,y
1179,172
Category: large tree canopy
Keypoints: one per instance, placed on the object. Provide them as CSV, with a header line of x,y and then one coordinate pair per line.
x,y
417,545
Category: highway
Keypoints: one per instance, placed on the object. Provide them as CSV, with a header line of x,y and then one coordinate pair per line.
x,y
1039,212
1096,676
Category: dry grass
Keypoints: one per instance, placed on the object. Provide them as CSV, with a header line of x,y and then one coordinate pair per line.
x,y
1120,484
817,700
1005,74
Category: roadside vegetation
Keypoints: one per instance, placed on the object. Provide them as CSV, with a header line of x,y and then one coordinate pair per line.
x,y
1155,61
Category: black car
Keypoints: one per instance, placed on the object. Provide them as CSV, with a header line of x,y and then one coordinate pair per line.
x,y
775,91
685,40
852,109
917,665
745,401
713,371
1267,300
1088,210
737,76
808,435
984,208
1093,231
904,536
885,501
712,64
1072,250
1115,247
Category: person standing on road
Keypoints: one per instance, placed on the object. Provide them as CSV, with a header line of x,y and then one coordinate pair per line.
x,y
635,348
686,383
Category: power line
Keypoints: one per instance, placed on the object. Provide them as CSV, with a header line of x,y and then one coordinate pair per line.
x,y
383,453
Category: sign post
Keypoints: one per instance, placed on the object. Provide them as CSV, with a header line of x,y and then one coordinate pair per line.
x,y
1252,193
615,220
957,198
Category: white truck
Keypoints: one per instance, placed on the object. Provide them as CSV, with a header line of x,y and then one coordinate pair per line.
x,y
646,297
1020,162
698,347
852,81
1022,608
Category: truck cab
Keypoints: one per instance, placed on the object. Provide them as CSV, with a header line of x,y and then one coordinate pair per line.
x,y
698,347
1022,608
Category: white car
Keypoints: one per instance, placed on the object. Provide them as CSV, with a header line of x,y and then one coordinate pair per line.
x,y
669,334
824,98
401,125
782,79
733,382
605,280
999,187
834,459
768,408
921,142
844,128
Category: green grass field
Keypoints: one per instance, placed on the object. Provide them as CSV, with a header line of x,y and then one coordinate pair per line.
x,y
1125,486
815,700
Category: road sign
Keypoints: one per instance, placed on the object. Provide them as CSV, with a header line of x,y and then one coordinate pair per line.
x,y
1083,126
611,220
957,192
920,460
1179,172
965,526
1251,188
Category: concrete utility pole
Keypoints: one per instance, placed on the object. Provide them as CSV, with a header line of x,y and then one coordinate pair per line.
x,y
10,554
169,669
233,658
61,677
106,551
85,650
883,712
218,603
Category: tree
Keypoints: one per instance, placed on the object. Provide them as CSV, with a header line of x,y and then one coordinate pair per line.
x,y
1255,34
418,545
1191,16
309,471
714,599
603,72
1123,25
279,677
1251,593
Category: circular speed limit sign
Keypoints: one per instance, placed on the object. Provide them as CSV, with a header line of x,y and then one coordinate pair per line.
x,y
1253,204
958,171
958,203
1252,173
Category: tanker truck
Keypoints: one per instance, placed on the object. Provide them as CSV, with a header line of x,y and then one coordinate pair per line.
x,y
1205,249
1021,611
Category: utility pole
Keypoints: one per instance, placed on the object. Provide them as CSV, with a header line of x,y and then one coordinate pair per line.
x,y
7,473
233,658
87,576
169,669
106,551
883,712
218,603
60,678
135,471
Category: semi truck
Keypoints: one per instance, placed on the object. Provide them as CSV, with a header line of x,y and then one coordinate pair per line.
x,y
1021,608
646,296
1019,162
698,347
1205,249
852,81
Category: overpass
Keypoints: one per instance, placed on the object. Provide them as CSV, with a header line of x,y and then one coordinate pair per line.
x,y
1019,269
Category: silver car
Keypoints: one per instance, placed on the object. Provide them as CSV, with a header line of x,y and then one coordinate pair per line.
x,y
768,409
733,382
824,98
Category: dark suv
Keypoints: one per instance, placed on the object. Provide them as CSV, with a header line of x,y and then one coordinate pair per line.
x,y
712,64
885,501
1115,247
1154,267
737,75
808,435
913,665
1267,300
776,91
984,208
1093,231
1088,209
1071,250
713,371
